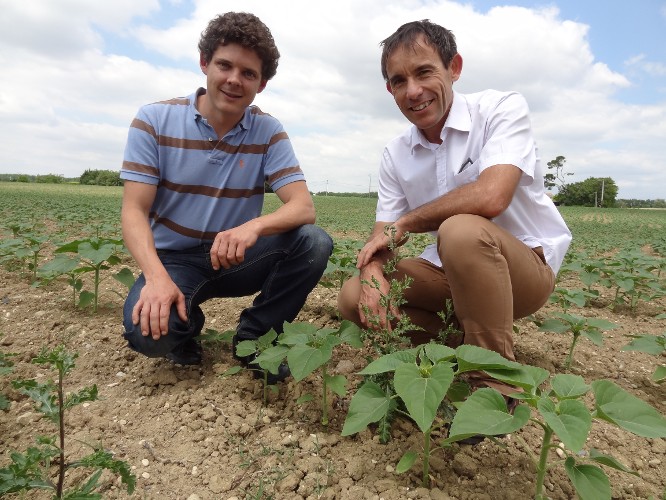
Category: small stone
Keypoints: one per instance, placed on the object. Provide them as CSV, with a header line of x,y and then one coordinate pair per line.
x,y
145,462
145,475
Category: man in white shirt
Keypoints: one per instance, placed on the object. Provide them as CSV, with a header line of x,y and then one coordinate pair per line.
x,y
467,171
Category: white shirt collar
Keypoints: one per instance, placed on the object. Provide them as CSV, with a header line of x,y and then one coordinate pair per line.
x,y
458,119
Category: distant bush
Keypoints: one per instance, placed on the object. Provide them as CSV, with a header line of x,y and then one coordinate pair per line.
x,y
101,178
49,179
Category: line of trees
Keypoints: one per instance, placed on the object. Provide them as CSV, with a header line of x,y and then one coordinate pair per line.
x,y
101,178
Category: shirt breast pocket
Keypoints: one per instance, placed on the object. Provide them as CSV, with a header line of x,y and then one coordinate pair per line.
x,y
467,172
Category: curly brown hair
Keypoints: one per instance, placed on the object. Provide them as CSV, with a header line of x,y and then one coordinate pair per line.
x,y
248,31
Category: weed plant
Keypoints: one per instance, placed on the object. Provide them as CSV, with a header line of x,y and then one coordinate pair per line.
x,y
33,469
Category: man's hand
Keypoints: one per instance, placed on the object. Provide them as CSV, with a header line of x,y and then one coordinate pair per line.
x,y
153,308
370,310
387,239
229,246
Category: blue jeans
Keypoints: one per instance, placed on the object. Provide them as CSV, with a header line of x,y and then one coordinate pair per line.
x,y
283,268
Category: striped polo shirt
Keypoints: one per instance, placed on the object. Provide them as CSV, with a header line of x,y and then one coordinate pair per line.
x,y
205,184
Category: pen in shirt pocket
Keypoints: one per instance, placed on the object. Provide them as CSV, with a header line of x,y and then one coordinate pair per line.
x,y
464,165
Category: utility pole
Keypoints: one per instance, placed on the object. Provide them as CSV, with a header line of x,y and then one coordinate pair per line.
x,y
603,182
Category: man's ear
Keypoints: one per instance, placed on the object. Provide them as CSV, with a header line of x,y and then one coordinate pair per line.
x,y
203,64
388,87
262,85
455,67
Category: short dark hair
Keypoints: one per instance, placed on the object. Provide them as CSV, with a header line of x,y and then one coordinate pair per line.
x,y
435,35
248,31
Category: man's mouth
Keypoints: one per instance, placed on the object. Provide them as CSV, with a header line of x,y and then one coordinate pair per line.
x,y
423,105
229,94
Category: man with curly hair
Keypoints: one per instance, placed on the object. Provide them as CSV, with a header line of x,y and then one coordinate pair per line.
x,y
195,169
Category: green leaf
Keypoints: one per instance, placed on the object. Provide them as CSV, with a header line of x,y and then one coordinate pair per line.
x,y
553,325
594,335
659,374
350,333
472,358
246,348
305,398
271,358
231,371
609,461
589,481
438,352
369,404
568,386
601,324
125,276
422,390
61,264
303,360
337,384
83,395
570,420
485,412
389,362
85,299
650,344
525,376
96,255
266,340
406,462
617,406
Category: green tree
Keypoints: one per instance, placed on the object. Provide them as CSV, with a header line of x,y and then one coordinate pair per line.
x,y
592,192
557,176
49,179
101,178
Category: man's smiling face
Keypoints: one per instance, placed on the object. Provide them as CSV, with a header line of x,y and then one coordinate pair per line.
x,y
233,79
421,86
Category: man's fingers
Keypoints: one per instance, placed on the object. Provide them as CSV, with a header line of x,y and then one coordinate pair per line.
x,y
215,262
180,307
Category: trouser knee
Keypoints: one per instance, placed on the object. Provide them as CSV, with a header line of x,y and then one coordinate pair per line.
x,y
178,331
348,300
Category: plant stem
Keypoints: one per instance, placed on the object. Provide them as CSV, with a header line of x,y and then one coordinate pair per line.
x,y
265,372
426,458
543,461
61,425
569,360
324,409
96,288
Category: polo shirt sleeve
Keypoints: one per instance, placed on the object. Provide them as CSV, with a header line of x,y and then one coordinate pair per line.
x,y
281,164
509,138
392,202
141,158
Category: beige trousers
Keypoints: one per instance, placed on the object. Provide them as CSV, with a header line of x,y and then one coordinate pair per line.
x,y
491,276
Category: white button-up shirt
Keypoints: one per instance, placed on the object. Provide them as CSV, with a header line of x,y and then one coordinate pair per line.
x,y
483,129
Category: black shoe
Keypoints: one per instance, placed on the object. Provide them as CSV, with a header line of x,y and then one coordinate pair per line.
x,y
189,353
258,372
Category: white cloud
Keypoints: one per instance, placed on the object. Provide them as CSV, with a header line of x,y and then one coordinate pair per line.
x,y
68,101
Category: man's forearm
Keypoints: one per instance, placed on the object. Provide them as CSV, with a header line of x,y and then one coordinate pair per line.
x,y
138,239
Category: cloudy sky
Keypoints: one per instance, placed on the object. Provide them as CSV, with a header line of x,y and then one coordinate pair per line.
x,y
74,72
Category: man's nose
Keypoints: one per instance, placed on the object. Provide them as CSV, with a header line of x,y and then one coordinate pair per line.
x,y
414,88
234,77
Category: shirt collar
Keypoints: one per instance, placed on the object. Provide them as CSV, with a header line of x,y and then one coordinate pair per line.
x,y
244,123
458,119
